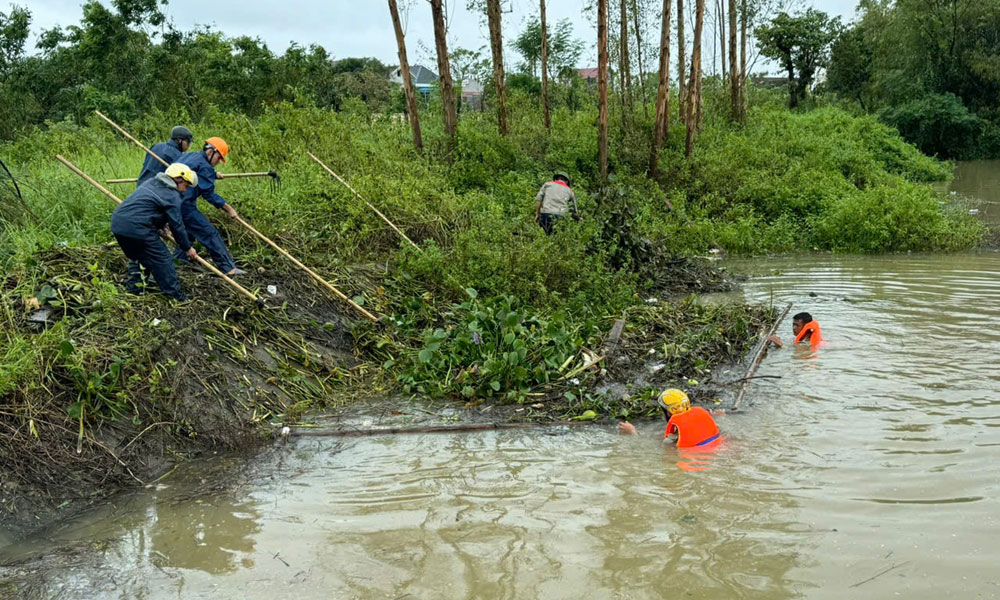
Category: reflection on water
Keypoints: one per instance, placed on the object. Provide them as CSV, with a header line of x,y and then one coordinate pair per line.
x,y
978,182
866,471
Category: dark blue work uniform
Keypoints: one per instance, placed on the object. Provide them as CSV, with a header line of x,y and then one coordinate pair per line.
x,y
197,224
168,151
136,224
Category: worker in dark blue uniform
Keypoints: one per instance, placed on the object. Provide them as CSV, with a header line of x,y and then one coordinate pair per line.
x,y
198,226
180,141
137,222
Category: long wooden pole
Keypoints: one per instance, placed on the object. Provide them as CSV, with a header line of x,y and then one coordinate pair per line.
x,y
360,197
758,355
266,239
312,273
200,260
271,174
602,88
432,429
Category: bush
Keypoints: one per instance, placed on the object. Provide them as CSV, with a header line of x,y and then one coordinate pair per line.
x,y
938,124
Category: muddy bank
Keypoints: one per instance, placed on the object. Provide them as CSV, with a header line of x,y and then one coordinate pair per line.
x,y
135,385
140,383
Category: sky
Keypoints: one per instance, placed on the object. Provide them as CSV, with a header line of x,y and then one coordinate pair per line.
x,y
354,28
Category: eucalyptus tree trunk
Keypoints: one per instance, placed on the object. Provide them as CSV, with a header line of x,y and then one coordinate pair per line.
x,y
681,67
625,72
444,68
694,84
662,121
496,44
720,9
545,69
734,71
743,60
602,88
638,57
404,69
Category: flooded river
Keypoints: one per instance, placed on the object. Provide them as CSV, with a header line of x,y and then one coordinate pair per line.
x,y
978,182
867,471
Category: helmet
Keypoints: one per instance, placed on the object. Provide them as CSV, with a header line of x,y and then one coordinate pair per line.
x,y
674,401
183,171
563,176
181,133
219,144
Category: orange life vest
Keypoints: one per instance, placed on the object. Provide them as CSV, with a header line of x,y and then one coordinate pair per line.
x,y
815,338
695,427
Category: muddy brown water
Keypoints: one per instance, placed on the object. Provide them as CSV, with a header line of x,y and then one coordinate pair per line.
x,y
977,182
869,470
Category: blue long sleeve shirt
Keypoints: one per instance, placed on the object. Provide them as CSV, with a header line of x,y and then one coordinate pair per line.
x,y
146,210
168,151
206,179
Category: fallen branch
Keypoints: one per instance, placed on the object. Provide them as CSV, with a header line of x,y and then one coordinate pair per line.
x,y
758,356
879,574
431,429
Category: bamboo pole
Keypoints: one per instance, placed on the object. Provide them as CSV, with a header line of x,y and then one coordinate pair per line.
x,y
360,197
200,260
312,273
432,429
266,239
271,174
758,355
126,134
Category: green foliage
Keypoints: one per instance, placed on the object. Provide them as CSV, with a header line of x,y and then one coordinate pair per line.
x,y
563,50
800,44
938,124
488,348
926,67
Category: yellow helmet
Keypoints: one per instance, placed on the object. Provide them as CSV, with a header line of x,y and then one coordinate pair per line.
x,y
674,401
183,171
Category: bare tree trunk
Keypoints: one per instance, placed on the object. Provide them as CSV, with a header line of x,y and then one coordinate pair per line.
x,y
662,121
743,61
496,44
626,72
602,87
721,9
694,86
734,71
404,69
447,88
545,67
638,56
681,68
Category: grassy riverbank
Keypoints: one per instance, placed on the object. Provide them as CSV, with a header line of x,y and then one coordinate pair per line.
x,y
489,310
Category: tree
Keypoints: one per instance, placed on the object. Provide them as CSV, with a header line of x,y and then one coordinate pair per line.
x,y
624,70
545,67
851,65
496,45
638,57
661,121
14,28
449,110
734,72
404,70
681,68
693,121
563,50
602,88
800,44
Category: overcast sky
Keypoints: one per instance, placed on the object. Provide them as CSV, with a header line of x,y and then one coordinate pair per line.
x,y
362,27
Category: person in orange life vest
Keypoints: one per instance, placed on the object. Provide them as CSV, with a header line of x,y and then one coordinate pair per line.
x,y
693,425
804,328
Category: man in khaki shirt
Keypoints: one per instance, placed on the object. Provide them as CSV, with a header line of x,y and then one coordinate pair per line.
x,y
554,201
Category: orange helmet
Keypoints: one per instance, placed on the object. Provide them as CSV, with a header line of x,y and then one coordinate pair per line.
x,y
219,145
